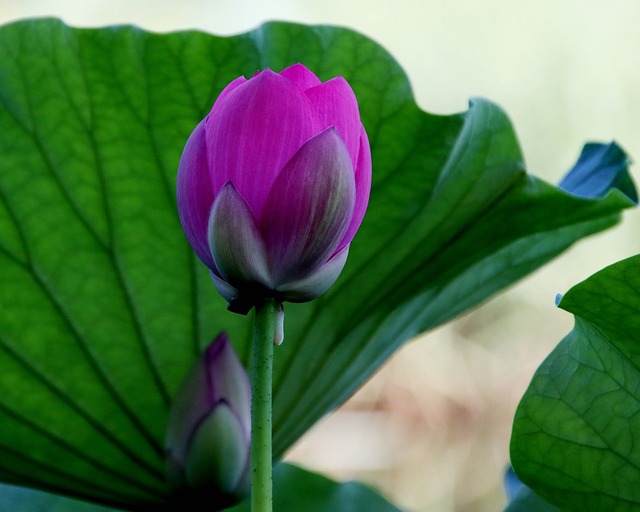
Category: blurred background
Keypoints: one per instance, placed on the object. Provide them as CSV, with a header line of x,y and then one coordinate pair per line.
x,y
431,429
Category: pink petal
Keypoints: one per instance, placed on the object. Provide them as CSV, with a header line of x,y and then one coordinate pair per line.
x,y
314,285
230,87
235,241
211,415
363,188
301,76
228,379
336,105
309,208
254,131
217,375
194,194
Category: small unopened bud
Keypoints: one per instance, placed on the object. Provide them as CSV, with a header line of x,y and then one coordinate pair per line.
x,y
209,432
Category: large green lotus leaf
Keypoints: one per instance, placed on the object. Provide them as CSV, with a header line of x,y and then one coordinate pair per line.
x,y
576,434
295,490
25,499
103,305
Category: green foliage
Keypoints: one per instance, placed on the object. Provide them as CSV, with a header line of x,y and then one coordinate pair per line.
x,y
23,499
295,490
103,306
577,429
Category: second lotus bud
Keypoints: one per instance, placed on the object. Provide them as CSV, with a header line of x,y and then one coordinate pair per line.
x,y
209,432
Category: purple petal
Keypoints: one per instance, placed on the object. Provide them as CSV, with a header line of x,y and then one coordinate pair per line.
x,y
309,208
230,87
336,105
194,193
363,188
209,428
301,76
191,403
217,375
235,241
254,131
318,282
228,380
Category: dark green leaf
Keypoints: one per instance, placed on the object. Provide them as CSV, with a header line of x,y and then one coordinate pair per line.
x,y
23,499
577,429
103,306
296,489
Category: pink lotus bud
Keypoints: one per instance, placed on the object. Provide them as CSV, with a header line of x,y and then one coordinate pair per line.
x,y
273,185
209,431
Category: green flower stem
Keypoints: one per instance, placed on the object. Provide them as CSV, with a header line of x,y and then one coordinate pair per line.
x,y
261,389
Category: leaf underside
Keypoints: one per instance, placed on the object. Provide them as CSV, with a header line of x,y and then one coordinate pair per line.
x,y
103,305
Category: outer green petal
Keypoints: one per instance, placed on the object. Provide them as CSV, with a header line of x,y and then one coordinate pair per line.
x,y
309,208
235,241
220,452
317,283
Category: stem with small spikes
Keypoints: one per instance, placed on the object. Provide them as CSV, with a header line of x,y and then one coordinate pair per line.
x,y
261,405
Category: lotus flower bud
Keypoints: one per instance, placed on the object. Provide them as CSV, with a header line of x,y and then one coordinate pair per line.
x,y
273,185
209,431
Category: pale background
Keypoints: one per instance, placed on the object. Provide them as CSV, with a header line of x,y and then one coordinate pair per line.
x,y
431,430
